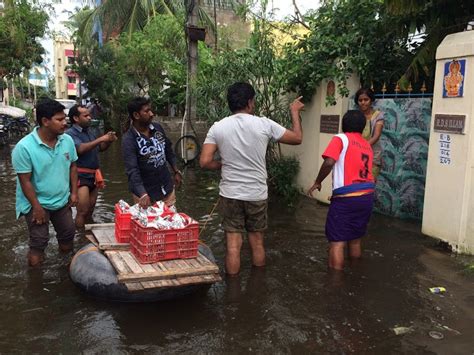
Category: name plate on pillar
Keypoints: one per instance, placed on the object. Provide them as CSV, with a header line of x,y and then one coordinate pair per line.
x,y
449,123
329,124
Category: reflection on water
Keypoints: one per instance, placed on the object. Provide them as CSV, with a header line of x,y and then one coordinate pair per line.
x,y
293,305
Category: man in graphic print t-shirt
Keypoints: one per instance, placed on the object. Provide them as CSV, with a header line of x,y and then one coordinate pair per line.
x,y
146,151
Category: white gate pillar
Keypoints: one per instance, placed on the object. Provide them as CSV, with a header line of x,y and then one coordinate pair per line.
x,y
448,211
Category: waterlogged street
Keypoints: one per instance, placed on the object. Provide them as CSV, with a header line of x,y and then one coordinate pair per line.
x,y
293,306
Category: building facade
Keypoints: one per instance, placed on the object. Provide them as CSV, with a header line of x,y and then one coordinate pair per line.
x,y
227,21
66,80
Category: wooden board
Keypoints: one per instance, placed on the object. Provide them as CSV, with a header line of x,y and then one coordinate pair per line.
x,y
92,239
89,227
138,277
105,235
129,270
180,281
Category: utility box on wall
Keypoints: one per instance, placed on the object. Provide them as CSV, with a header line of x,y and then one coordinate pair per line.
x,y
449,193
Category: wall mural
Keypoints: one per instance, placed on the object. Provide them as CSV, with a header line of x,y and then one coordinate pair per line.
x,y
401,183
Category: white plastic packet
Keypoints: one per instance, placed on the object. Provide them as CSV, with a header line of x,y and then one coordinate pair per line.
x,y
124,206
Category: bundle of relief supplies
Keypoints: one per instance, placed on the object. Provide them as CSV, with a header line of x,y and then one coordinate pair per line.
x,y
156,233
124,214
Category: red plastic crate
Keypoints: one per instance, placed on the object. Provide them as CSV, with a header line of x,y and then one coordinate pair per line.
x,y
122,225
150,245
122,220
149,235
166,251
164,247
148,258
122,235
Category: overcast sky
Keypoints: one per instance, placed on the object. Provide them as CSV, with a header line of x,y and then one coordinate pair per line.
x,y
55,25
285,8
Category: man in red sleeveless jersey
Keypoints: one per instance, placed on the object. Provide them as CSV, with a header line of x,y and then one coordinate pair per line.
x,y
350,157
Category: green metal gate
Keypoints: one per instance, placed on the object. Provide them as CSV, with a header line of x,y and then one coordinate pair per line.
x,y
401,183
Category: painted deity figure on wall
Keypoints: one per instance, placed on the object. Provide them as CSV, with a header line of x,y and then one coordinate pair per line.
x,y
453,80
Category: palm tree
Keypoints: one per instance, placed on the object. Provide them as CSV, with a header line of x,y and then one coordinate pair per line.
x,y
114,17
428,22
127,16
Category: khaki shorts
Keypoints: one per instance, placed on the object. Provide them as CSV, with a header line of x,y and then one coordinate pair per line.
x,y
241,216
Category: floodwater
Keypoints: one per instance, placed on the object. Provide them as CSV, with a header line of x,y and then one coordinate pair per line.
x,y
293,306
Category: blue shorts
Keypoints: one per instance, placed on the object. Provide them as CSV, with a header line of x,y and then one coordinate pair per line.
x,y
348,217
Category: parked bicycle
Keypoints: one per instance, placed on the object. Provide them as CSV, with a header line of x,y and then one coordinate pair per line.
x,y
187,147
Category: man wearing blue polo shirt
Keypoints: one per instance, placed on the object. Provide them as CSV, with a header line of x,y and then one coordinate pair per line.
x,y
88,147
44,162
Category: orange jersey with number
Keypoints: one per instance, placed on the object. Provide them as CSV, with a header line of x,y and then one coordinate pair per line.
x,y
353,156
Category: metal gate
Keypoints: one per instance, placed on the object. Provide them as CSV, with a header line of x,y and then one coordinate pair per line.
x,y
400,186
405,140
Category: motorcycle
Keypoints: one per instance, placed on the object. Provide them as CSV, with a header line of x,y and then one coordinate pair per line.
x,y
4,134
18,127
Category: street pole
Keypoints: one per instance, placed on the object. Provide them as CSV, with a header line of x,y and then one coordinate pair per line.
x,y
29,88
13,90
192,62
215,24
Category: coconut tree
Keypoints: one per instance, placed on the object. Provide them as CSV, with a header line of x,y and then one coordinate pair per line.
x,y
112,17
425,23
127,16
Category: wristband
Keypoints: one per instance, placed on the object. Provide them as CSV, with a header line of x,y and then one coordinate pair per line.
x,y
178,172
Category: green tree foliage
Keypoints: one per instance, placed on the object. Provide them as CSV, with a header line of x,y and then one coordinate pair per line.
x,y
427,22
346,36
282,173
258,64
107,81
150,62
82,42
128,16
156,60
21,27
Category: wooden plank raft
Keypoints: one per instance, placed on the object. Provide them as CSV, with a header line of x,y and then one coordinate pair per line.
x,y
180,281
138,277
104,235
163,274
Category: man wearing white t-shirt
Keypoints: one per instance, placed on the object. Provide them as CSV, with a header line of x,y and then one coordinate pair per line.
x,y
241,140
